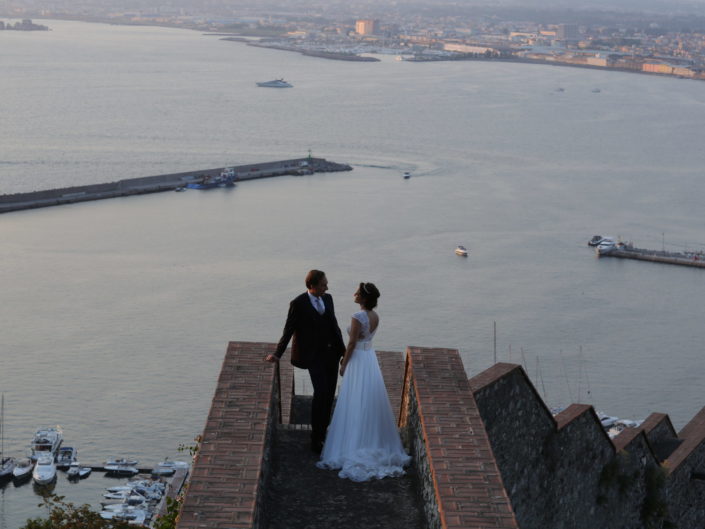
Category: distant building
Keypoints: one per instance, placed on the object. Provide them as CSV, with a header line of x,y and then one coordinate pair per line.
x,y
366,27
567,33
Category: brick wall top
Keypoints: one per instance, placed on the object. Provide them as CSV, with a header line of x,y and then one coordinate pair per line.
x,y
692,435
223,488
468,485
656,420
626,437
392,366
572,412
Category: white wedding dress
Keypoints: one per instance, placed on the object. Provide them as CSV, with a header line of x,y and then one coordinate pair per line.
x,y
362,439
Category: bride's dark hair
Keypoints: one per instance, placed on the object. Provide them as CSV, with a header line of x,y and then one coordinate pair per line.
x,y
369,294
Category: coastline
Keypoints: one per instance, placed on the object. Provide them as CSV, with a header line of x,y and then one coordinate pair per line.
x,y
353,57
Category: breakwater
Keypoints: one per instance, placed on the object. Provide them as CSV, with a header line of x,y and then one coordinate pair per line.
x,y
165,182
656,256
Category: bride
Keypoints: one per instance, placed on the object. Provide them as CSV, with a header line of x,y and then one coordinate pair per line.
x,y
363,441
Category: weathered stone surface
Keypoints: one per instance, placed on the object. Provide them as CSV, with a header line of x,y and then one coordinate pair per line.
x,y
302,496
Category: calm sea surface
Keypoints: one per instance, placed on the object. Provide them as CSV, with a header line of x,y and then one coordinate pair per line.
x,y
115,315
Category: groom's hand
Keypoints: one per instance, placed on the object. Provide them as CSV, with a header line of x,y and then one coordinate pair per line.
x,y
271,358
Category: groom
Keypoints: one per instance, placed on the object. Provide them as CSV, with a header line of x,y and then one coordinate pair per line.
x,y
317,346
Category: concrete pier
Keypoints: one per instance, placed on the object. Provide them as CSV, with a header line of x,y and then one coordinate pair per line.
x,y
655,256
165,182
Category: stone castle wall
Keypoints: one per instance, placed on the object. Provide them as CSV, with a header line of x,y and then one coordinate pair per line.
x,y
565,472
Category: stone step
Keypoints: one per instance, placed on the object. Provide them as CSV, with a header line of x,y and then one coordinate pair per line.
x,y
302,496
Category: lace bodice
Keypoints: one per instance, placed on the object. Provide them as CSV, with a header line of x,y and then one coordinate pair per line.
x,y
365,334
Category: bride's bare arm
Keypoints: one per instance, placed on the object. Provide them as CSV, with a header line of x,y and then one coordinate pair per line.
x,y
352,341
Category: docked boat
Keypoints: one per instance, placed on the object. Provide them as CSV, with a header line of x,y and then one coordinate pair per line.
x,y
121,469
76,471
46,441
606,246
596,239
407,175
23,469
65,456
461,250
7,464
45,470
122,461
168,467
210,182
276,83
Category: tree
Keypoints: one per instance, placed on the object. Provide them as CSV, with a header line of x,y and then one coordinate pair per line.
x,y
66,515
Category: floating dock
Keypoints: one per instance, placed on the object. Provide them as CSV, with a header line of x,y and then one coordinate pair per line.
x,y
165,182
627,251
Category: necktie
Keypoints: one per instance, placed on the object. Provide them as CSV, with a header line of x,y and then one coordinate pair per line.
x,y
319,306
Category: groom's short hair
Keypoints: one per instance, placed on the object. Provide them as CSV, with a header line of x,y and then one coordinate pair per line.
x,y
314,277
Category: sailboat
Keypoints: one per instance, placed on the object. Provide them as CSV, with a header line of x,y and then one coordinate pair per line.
x,y
7,464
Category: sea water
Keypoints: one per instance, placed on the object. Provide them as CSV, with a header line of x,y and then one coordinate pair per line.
x,y
116,314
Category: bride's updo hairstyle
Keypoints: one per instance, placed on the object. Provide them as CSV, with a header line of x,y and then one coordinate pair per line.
x,y
369,294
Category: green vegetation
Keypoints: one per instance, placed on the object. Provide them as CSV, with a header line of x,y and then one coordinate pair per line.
x,y
66,515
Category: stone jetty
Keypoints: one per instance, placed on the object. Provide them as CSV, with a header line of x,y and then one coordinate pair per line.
x,y
165,182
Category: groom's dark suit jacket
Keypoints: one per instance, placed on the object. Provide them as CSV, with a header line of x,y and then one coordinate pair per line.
x,y
317,337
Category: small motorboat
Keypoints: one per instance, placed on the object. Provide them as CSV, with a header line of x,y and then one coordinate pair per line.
x,y
65,456
596,239
461,250
23,469
120,470
45,470
122,461
167,467
407,175
76,471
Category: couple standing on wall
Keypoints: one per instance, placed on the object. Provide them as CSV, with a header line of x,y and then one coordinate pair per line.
x,y
361,440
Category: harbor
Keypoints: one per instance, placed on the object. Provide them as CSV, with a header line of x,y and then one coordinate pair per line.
x,y
198,179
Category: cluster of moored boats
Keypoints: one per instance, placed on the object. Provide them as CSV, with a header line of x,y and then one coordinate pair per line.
x,y
47,456
135,502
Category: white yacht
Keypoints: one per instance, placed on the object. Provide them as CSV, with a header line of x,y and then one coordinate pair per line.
x,y
276,83
461,250
46,441
606,246
45,470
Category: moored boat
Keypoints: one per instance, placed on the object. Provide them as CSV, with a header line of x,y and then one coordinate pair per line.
x,y
23,469
76,471
7,464
65,456
46,441
45,470
168,467
210,182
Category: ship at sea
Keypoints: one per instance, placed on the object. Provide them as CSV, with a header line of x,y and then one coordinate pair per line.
x,y
276,83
